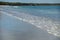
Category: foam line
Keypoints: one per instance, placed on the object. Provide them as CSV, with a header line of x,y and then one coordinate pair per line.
x,y
52,27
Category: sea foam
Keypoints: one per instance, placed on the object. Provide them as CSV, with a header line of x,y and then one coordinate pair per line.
x,y
51,26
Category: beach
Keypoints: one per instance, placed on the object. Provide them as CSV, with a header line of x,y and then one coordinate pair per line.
x,y
14,27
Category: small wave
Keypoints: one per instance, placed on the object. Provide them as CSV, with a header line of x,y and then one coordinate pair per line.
x,y
51,26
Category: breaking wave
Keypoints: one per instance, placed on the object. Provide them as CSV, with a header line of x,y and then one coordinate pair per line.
x,y
51,26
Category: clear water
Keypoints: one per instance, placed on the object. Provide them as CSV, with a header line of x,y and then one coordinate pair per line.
x,y
45,11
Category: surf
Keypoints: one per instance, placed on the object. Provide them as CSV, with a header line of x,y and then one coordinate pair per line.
x,y
51,26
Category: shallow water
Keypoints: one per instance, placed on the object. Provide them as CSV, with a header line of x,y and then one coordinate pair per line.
x,y
45,11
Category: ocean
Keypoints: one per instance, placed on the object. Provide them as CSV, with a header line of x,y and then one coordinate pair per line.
x,y
46,11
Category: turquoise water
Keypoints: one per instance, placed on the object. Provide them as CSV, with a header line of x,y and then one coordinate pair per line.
x,y
45,11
